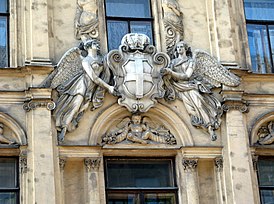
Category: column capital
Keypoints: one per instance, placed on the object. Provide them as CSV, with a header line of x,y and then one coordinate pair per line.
x,y
241,106
38,103
62,163
190,165
219,163
23,162
92,163
255,162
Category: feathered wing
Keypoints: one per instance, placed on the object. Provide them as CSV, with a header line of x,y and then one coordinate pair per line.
x,y
69,66
211,71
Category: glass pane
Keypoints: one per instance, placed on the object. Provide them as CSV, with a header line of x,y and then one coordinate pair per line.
x,y
259,48
271,35
8,198
119,198
116,31
259,9
142,27
267,196
160,198
128,8
134,173
3,42
7,173
266,172
4,6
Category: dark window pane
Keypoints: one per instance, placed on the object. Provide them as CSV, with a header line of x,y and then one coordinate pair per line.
x,y
8,198
116,31
160,198
3,6
3,42
267,196
259,9
266,172
259,48
131,173
120,198
128,8
142,27
8,173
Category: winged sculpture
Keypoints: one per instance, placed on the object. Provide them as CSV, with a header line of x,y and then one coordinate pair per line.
x,y
80,80
190,77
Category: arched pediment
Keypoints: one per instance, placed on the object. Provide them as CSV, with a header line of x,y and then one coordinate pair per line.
x,y
111,119
262,132
17,134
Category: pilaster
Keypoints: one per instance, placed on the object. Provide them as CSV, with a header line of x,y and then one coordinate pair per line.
x,y
92,183
236,154
41,144
220,180
192,191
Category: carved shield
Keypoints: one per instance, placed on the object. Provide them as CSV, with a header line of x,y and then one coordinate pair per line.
x,y
138,80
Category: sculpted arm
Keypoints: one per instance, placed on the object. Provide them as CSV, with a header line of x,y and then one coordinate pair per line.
x,y
180,75
90,72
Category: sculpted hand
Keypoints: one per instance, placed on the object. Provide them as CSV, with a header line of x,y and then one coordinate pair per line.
x,y
166,71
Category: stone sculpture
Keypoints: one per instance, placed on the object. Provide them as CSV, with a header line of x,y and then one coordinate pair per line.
x,y
141,76
138,129
136,69
190,79
86,20
173,23
3,139
80,82
266,134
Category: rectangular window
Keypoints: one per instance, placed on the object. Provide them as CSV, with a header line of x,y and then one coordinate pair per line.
x,y
4,28
9,185
260,30
127,16
140,181
266,179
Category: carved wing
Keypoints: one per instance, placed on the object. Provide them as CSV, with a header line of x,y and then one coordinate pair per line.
x,y
150,123
211,71
69,66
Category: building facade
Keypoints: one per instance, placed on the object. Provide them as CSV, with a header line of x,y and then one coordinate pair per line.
x,y
149,101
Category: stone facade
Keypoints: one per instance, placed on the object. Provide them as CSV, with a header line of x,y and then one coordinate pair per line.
x,y
72,170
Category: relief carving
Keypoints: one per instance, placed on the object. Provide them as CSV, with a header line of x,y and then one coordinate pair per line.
x,y
266,134
173,22
92,163
3,139
219,163
138,129
190,77
138,76
86,20
190,165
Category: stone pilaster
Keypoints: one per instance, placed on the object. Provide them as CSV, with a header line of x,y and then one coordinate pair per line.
x,y
192,190
41,144
62,163
37,27
219,180
236,154
92,184
23,166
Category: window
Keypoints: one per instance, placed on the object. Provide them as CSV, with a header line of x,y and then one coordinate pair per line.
x,y
127,16
260,30
140,181
4,27
9,186
266,179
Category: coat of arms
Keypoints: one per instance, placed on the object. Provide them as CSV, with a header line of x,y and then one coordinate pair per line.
x,y
136,68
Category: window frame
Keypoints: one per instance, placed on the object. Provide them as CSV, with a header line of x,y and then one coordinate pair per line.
x,y
16,189
7,15
265,23
142,190
258,176
128,20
